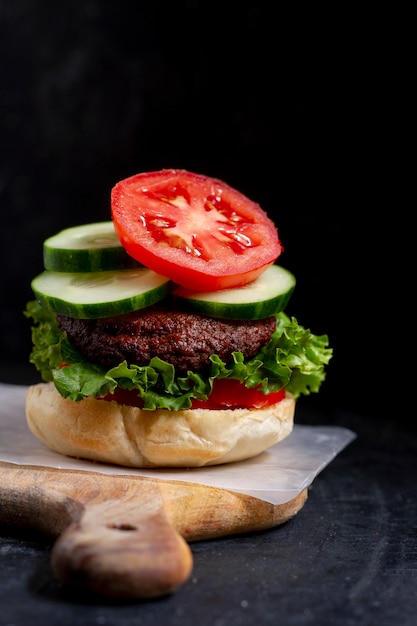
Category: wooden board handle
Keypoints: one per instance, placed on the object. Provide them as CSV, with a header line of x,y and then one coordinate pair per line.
x,y
127,536
123,550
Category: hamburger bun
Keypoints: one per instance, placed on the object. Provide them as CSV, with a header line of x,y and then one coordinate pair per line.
x,y
109,432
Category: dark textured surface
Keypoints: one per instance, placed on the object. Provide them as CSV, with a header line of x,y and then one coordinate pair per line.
x,y
348,558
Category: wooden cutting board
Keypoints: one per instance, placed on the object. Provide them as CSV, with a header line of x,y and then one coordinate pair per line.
x,y
127,536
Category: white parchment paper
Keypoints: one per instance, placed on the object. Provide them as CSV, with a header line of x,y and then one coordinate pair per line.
x,y
276,476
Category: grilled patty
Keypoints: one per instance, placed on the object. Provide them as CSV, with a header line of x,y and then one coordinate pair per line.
x,y
179,337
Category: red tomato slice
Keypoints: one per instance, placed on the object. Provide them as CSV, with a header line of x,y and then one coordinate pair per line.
x,y
231,394
196,230
226,394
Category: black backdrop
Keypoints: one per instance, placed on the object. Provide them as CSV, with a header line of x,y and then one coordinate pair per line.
x,y
279,106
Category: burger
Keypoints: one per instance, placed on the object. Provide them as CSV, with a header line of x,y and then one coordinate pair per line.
x,y
161,334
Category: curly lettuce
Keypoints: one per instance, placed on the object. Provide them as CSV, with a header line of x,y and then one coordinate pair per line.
x,y
294,358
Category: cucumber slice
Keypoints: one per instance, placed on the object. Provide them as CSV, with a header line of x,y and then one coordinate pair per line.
x,y
267,295
86,248
99,294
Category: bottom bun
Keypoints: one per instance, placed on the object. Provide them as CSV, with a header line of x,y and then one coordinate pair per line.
x,y
123,435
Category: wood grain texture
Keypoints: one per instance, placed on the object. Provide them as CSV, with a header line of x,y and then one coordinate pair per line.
x,y
127,536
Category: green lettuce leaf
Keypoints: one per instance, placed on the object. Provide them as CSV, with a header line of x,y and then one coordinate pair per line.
x,y
294,358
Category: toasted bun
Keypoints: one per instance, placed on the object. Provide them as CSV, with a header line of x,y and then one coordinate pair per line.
x,y
124,435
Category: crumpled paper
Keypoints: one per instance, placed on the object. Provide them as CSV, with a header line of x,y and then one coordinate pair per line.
x,y
277,475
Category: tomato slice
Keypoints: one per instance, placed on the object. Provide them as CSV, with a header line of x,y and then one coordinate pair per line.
x,y
226,394
231,394
196,230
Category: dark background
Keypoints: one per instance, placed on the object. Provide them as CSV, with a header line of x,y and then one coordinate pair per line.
x,y
289,108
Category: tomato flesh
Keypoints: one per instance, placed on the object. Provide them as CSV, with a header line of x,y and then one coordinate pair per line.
x,y
231,394
226,394
196,230
129,397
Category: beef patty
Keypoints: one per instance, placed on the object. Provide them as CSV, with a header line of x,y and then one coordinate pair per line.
x,y
179,337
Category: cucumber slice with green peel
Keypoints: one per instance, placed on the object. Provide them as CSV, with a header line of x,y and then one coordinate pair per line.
x,y
88,295
86,248
267,295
